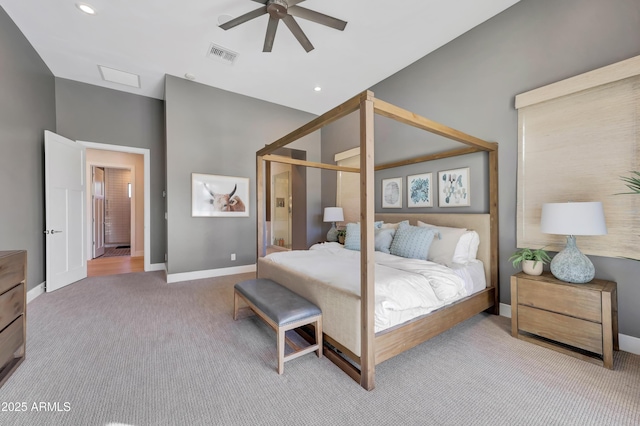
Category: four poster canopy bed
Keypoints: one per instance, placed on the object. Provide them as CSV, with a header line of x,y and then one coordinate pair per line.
x,y
361,322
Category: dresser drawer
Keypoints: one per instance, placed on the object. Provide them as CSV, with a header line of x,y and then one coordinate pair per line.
x,y
579,333
11,269
11,305
11,338
565,299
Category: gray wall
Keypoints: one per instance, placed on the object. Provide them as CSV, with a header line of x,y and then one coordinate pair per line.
x,y
470,84
27,108
217,132
97,114
392,144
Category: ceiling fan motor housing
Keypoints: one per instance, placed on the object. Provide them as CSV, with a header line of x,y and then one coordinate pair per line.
x,y
277,8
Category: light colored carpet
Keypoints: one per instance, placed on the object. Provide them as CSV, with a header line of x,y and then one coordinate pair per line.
x,y
131,349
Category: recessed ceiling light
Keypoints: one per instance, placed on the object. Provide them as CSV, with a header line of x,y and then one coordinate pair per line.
x,y
189,76
317,88
89,10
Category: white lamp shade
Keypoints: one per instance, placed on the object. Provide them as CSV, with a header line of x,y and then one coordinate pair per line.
x,y
333,214
573,218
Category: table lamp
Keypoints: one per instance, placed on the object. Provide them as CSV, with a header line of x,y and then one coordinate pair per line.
x,y
571,219
333,215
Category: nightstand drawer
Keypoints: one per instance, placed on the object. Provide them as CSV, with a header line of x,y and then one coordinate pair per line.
x,y
565,299
11,270
568,330
11,305
11,338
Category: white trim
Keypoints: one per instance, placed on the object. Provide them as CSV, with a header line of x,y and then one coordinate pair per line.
x,y
156,267
35,292
346,154
505,310
138,253
609,74
146,153
627,343
220,272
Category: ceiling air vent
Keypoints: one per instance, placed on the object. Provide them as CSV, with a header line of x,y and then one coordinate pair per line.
x,y
221,54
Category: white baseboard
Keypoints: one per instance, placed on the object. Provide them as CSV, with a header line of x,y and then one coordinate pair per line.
x,y
211,273
156,267
35,292
505,310
627,343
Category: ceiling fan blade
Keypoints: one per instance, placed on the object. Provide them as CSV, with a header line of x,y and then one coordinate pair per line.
x,y
317,17
261,1
297,32
271,34
293,2
244,18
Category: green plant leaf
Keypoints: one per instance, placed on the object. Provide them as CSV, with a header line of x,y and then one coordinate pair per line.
x,y
537,255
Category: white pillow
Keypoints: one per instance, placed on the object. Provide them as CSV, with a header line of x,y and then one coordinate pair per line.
x,y
467,248
393,225
444,244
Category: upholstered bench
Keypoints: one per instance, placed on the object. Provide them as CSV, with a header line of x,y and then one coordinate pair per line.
x,y
283,310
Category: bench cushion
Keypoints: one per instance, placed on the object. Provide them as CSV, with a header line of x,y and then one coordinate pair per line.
x,y
279,303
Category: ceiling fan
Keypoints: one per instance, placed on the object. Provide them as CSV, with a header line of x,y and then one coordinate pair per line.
x,y
285,11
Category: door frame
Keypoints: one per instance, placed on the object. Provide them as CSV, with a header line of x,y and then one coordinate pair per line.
x,y
91,251
146,153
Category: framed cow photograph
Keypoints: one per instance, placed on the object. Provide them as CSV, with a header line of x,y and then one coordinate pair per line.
x,y
219,196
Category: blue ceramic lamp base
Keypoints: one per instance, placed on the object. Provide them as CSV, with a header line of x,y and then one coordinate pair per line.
x,y
332,235
571,266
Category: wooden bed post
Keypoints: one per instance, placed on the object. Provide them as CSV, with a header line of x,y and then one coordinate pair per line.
x,y
260,207
367,246
494,214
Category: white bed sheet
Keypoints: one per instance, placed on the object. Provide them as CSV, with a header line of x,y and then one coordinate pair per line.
x,y
405,288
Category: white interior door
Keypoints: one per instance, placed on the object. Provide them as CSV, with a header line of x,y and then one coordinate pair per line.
x,y
64,167
97,186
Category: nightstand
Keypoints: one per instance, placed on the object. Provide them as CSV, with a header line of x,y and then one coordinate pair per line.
x,y
580,320
13,311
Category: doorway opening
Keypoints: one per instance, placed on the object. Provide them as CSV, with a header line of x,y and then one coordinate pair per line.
x,y
117,209
114,213
286,195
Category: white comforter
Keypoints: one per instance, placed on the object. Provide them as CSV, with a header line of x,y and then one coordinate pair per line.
x,y
405,288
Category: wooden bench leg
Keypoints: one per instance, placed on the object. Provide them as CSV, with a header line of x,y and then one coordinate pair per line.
x,y
319,337
235,305
281,339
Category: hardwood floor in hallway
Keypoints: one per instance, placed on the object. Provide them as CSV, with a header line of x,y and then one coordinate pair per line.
x,y
114,265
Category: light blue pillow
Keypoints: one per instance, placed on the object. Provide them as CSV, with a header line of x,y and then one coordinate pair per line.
x,y
412,242
352,239
384,237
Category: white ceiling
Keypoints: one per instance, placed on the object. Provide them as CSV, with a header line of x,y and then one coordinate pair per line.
x,y
152,38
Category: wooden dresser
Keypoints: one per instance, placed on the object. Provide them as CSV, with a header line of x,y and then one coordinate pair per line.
x,y
13,311
576,319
